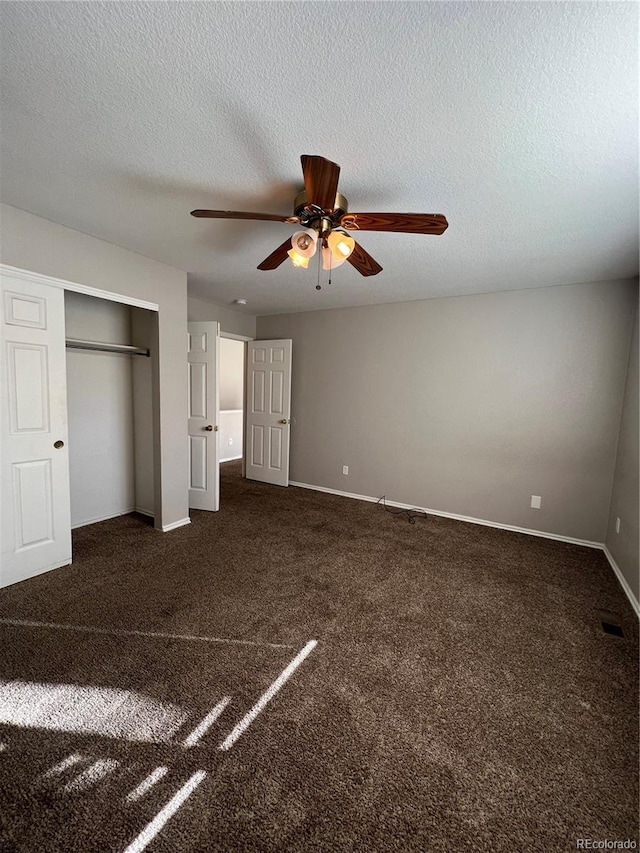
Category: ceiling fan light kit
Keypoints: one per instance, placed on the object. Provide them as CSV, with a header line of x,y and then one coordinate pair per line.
x,y
324,215
329,260
336,248
303,248
298,260
341,245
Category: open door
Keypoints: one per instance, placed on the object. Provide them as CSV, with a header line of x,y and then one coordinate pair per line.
x,y
268,411
204,412
34,484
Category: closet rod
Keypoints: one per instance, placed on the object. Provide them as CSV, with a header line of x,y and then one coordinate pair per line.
x,y
73,343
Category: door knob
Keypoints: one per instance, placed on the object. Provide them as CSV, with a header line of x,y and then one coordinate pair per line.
x,y
210,428
58,444
284,421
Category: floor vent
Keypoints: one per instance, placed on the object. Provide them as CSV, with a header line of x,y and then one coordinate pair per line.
x,y
609,623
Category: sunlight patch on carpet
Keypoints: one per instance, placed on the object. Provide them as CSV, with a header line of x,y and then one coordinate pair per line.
x,y
147,784
121,632
203,727
267,696
92,775
166,813
106,711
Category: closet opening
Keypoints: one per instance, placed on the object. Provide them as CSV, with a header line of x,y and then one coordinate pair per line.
x,y
110,408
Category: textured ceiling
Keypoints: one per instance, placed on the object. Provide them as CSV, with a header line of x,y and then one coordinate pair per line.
x,y
518,121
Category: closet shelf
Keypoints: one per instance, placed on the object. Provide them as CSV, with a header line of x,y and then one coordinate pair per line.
x,y
74,343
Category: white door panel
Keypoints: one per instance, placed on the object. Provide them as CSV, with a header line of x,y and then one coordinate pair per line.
x,y
204,415
34,478
268,411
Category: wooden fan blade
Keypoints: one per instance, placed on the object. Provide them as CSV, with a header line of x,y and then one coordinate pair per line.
x,y
320,181
363,261
276,257
240,214
409,223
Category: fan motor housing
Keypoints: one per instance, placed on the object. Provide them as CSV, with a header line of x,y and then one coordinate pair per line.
x,y
340,207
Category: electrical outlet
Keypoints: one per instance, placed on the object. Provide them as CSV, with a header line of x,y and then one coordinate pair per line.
x,y
230,441
617,525
345,469
536,501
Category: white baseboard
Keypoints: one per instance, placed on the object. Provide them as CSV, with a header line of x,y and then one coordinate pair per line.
x,y
622,581
586,543
144,511
167,527
102,518
467,518
231,458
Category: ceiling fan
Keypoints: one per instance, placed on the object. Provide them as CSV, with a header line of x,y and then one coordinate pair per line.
x,y
323,214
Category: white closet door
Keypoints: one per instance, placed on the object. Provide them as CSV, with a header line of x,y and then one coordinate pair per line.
x,y
34,467
268,411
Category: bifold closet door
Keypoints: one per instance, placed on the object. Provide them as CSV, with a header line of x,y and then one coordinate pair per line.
x,y
34,480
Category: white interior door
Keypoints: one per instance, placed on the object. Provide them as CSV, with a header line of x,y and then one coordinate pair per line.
x,y
204,414
34,478
268,411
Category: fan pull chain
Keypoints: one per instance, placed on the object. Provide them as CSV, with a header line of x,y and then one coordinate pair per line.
x,y
318,285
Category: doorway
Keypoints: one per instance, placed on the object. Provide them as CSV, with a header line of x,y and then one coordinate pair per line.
x,y
232,383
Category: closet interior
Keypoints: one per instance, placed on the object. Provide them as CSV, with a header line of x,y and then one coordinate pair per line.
x,y
110,408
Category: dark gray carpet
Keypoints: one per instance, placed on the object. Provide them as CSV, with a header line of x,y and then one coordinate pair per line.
x,y
461,697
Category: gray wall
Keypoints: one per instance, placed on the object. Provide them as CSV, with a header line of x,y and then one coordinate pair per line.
x,y
625,504
231,374
467,405
41,246
233,322
231,434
